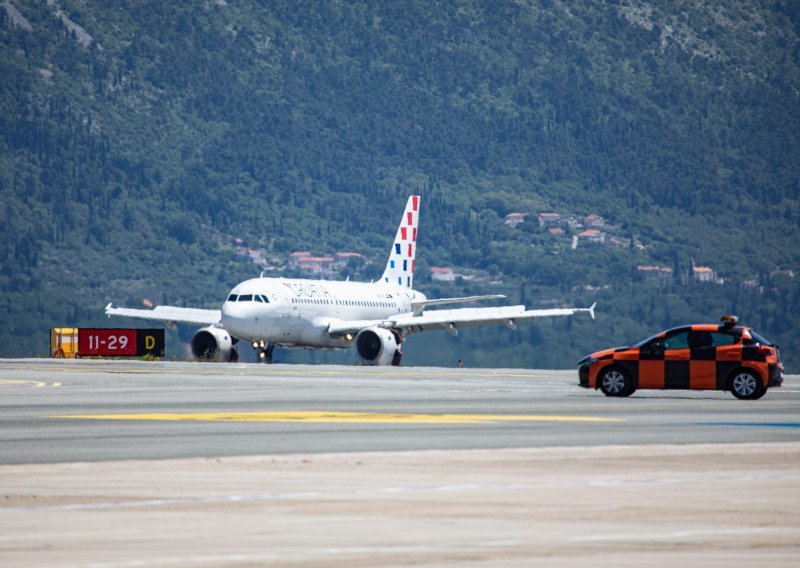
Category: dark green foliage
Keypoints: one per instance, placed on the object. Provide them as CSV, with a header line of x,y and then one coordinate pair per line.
x,y
130,157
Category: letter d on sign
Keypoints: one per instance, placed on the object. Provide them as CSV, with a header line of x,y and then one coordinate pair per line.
x,y
150,342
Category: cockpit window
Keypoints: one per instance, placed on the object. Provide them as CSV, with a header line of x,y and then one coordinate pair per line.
x,y
232,298
263,298
246,298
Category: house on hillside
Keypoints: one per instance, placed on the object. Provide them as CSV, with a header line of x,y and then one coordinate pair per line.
x,y
593,236
342,258
442,274
704,274
654,271
296,257
753,285
549,219
318,265
514,219
594,220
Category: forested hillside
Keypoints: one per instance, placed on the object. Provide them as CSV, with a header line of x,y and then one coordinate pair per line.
x,y
138,138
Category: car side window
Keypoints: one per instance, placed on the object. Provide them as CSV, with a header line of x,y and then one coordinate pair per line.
x,y
723,339
677,341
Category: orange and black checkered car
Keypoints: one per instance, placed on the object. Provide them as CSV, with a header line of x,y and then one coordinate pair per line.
x,y
691,357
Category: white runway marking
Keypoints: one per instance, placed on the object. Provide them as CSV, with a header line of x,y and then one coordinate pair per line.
x,y
688,534
464,487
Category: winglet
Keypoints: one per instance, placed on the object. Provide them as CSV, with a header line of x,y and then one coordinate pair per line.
x,y
108,309
591,310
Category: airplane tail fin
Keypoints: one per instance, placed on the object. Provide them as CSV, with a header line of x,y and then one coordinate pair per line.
x,y
400,266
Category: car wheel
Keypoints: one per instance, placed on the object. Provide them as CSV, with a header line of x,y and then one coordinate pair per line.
x,y
746,385
615,382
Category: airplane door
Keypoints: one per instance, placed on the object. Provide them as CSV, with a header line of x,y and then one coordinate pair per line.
x,y
286,306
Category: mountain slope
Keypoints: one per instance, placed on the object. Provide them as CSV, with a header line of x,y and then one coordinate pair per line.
x,y
138,138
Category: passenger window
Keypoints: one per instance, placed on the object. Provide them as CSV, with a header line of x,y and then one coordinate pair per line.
x,y
722,339
678,341
232,298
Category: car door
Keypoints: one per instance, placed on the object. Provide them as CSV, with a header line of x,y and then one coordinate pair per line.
x,y
677,356
703,359
664,361
651,364
728,355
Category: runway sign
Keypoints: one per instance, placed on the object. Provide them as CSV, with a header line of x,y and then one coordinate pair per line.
x,y
118,342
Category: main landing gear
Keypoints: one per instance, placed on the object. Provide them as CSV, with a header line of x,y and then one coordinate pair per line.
x,y
264,351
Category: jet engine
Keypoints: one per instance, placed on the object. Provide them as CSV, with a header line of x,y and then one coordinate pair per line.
x,y
378,346
213,344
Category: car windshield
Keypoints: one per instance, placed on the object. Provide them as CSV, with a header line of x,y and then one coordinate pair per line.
x,y
646,341
760,339
658,337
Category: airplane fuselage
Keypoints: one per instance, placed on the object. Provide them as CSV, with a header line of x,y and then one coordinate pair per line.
x,y
296,312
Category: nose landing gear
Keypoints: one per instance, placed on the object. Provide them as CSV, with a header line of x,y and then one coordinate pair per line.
x,y
264,351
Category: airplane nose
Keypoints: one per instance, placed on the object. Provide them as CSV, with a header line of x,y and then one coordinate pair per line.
x,y
235,319
246,320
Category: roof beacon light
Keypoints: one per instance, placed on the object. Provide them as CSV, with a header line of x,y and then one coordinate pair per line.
x,y
729,321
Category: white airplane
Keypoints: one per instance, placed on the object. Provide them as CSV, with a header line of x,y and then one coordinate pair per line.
x,y
373,317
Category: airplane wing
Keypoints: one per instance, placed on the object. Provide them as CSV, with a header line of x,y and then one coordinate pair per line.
x,y
453,320
418,307
170,315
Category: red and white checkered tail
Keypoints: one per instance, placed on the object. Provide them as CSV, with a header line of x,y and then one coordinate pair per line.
x,y
400,267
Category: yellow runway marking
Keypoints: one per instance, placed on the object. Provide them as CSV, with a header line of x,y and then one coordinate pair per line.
x,y
342,417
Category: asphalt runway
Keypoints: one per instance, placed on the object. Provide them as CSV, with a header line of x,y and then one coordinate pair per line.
x,y
130,463
75,411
